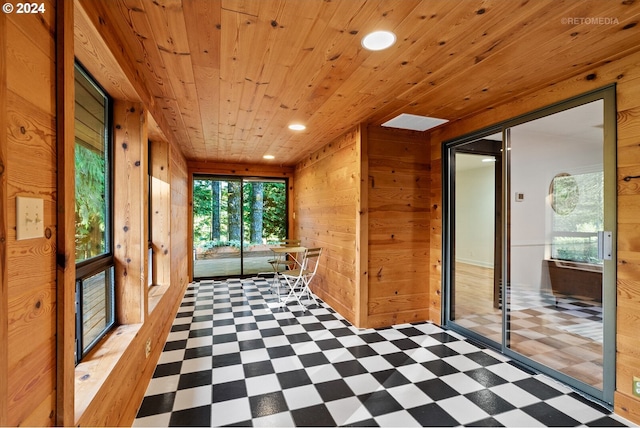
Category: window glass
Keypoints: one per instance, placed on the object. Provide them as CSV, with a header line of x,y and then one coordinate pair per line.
x,y
95,292
577,216
91,165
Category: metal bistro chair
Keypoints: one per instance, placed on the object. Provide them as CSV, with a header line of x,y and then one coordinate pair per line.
x,y
298,280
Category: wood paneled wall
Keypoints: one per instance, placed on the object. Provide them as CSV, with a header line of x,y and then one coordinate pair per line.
x,y
326,201
160,206
365,199
31,162
180,254
28,279
130,205
4,280
625,72
399,216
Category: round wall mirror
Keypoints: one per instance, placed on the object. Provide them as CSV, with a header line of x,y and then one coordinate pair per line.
x,y
564,193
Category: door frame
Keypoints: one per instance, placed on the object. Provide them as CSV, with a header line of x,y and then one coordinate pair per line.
x,y
608,95
242,179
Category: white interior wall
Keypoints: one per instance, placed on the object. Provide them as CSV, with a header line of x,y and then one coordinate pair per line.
x,y
536,158
475,214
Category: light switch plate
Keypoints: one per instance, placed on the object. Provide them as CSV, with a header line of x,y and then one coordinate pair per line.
x,y
29,218
636,386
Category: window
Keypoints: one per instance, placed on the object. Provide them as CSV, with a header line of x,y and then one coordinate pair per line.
x,y
577,216
95,305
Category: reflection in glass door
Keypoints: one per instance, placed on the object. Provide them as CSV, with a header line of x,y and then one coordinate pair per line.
x,y
476,251
529,229
557,223
235,221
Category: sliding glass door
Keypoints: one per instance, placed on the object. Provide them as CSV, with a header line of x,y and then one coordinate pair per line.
x,y
475,273
529,240
235,221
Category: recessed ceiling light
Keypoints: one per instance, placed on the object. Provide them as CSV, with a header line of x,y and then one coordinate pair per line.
x,y
414,122
378,40
268,157
297,127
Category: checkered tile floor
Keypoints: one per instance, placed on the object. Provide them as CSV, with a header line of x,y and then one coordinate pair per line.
x,y
235,357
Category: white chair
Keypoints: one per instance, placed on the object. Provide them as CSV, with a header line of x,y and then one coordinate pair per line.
x,y
298,280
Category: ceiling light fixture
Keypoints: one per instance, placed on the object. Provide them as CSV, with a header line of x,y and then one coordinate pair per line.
x,y
268,157
378,40
297,127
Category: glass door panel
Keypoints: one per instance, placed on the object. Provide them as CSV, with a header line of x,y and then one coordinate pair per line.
x,y
556,211
216,227
264,220
235,220
476,252
533,201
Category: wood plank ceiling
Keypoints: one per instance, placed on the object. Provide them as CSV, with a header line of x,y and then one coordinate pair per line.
x,y
229,76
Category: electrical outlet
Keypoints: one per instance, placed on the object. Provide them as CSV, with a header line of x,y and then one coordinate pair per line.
x,y
636,386
29,218
147,349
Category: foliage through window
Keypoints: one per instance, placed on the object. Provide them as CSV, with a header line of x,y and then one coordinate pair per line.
x,y
95,311
217,214
577,216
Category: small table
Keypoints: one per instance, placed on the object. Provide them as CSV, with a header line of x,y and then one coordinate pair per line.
x,y
281,259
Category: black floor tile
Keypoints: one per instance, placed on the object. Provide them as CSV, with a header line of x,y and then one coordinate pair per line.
x,y
334,390
432,415
314,359
226,360
436,389
485,377
201,351
192,380
155,404
490,402
314,416
294,378
349,368
229,391
379,403
259,368
440,368
194,417
268,404
535,387
549,415
168,369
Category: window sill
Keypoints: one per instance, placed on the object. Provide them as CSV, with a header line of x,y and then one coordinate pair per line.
x,y
155,295
95,368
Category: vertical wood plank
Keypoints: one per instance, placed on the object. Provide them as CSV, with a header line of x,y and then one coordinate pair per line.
x,y
160,206
398,197
327,184
4,281
362,229
179,251
65,240
130,210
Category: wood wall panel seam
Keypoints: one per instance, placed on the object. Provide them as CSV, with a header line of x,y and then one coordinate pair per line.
x,y
65,120
4,280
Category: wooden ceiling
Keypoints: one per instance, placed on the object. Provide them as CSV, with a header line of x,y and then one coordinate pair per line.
x,y
225,78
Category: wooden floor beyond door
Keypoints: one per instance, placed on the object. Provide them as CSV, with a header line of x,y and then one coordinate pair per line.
x,y
561,332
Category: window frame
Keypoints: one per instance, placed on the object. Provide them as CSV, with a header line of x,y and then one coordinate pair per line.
x,y
104,262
